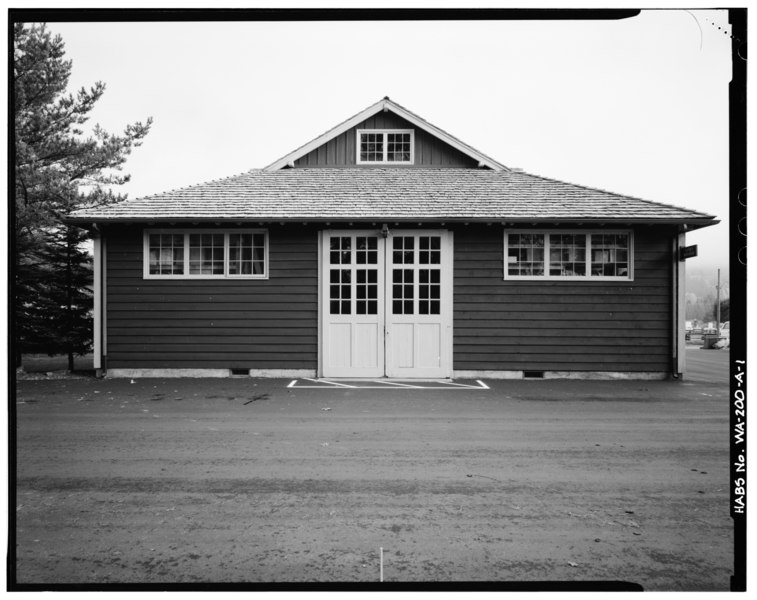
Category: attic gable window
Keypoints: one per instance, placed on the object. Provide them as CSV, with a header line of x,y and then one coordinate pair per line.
x,y
206,254
375,147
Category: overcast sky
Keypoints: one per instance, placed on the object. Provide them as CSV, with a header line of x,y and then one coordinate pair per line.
x,y
638,106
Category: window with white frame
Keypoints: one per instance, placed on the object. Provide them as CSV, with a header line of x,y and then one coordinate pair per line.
x,y
385,146
206,254
569,255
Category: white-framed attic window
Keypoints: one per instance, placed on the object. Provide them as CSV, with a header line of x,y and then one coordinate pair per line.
x,y
385,146
205,254
568,255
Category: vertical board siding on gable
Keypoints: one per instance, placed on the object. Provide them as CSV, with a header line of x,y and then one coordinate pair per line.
x,y
214,323
561,326
429,150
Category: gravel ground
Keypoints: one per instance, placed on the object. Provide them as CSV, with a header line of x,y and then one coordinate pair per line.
x,y
239,480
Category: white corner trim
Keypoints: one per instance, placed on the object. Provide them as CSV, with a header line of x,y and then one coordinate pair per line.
x,y
384,105
97,300
679,304
321,294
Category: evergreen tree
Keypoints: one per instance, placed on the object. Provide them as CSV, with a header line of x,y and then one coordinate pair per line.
x,y
58,168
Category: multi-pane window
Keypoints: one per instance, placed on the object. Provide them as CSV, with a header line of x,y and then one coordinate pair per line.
x,y
206,254
371,147
390,146
166,254
398,147
609,254
525,254
246,253
568,255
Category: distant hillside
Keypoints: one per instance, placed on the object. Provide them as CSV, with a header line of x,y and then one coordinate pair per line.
x,y
701,291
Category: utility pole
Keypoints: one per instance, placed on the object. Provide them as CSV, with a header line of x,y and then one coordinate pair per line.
x,y
717,304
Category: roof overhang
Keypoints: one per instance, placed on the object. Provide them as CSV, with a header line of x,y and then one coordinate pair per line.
x,y
685,225
386,105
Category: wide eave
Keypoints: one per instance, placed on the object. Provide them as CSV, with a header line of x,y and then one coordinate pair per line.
x,y
404,195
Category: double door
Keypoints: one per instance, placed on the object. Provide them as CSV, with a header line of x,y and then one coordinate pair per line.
x,y
386,304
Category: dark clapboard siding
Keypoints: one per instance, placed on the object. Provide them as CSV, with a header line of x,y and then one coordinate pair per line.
x,y
221,323
429,150
560,326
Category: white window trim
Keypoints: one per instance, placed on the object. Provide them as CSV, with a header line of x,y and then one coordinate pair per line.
x,y
385,145
186,233
588,276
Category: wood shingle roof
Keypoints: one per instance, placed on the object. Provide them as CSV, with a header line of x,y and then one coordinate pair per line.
x,y
392,194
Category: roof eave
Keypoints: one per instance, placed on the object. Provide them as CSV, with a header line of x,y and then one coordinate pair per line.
x,y
690,224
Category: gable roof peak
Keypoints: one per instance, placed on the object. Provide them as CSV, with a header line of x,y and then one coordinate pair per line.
x,y
383,105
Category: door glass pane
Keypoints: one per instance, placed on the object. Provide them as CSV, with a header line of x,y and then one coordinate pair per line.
x,y
340,251
429,250
403,250
428,291
366,292
402,291
340,291
366,250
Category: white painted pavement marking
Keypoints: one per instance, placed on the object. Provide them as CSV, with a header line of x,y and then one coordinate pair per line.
x,y
325,384
334,383
398,384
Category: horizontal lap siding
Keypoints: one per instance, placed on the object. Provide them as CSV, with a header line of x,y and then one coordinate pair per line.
x,y
560,325
234,324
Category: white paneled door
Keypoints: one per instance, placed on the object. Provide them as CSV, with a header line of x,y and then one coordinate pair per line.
x,y
386,304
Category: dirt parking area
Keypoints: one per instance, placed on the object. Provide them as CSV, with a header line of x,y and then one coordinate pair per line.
x,y
242,480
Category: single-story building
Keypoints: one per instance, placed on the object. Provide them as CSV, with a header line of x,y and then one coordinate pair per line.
x,y
386,247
